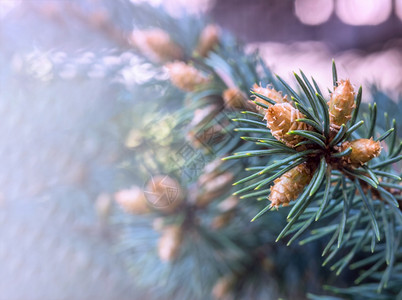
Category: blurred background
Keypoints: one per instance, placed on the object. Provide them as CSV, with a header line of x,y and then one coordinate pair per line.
x,y
67,72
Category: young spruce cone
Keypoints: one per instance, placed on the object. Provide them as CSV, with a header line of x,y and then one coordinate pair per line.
x,y
185,77
209,38
281,118
164,193
170,242
156,44
363,150
289,186
222,289
204,115
235,99
341,104
270,93
222,220
132,200
211,186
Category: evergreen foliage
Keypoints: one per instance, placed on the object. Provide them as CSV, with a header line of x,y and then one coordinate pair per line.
x,y
347,209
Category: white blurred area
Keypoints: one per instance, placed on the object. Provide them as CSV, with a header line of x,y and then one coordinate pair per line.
x,y
351,12
7,5
314,58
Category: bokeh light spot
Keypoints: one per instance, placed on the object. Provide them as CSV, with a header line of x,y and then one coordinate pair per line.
x,y
314,12
398,9
363,12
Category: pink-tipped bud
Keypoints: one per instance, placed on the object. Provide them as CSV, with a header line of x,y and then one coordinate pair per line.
x,y
185,77
235,99
132,200
170,242
290,185
363,150
164,193
156,44
281,118
209,38
270,93
342,104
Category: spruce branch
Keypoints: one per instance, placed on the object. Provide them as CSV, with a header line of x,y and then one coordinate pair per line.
x,y
327,145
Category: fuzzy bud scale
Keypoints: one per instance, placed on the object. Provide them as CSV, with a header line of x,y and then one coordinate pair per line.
x,y
281,118
289,186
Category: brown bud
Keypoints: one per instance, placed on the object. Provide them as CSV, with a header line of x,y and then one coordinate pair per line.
x,y
363,150
185,77
215,186
289,186
156,44
213,166
103,205
158,224
270,93
201,135
235,99
210,171
341,104
281,118
164,193
228,204
204,115
222,220
223,287
209,38
169,243
132,200
268,264
203,138
99,18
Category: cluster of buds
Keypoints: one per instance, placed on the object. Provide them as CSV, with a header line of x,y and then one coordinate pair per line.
x,y
341,106
156,44
282,118
185,76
